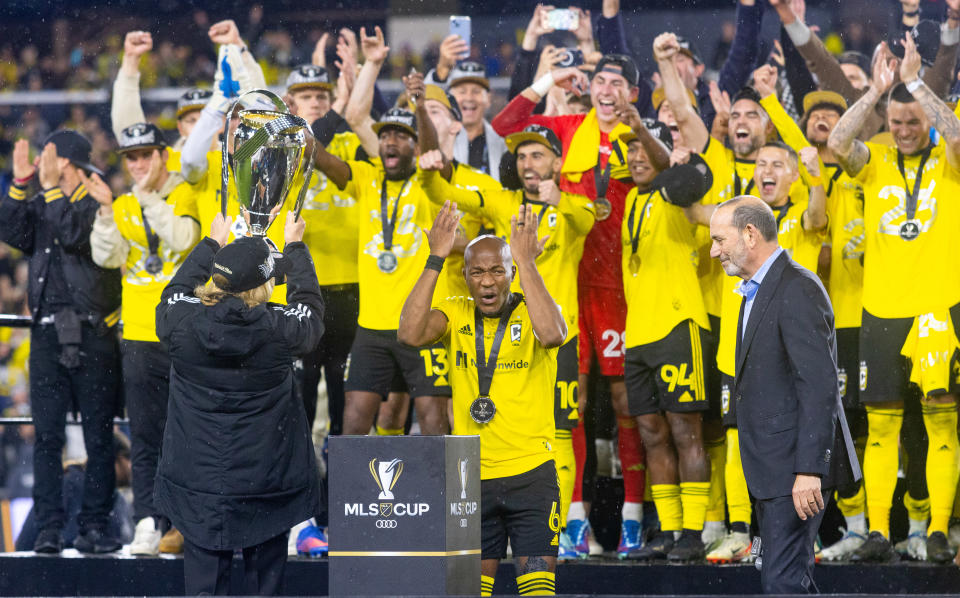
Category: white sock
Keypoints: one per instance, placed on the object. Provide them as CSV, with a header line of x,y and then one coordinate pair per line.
x,y
857,524
576,511
918,525
632,511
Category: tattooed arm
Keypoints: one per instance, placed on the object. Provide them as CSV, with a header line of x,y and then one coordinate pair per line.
x,y
852,153
941,117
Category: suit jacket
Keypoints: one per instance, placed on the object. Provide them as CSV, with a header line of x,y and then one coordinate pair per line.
x,y
789,412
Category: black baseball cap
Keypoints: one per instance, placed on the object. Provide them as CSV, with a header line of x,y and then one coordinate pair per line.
x,y
141,136
685,184
856,58
536,134
687,47
244,264
469,72
657,128
308,75
192,99
397,118
74,147
619,64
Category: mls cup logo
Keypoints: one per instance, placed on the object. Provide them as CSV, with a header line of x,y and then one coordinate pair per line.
x,y
386,476
463,479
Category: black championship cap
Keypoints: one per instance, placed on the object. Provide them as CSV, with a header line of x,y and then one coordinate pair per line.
x,y
399,119
687,47
141,136
685,184
619,64
537,134
244,264
74,147
308,75
192,99
469,72
657,128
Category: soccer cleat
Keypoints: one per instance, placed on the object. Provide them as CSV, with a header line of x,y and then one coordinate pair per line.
x,y
844,547
688,549
876,549
629,538
714,532
938,549
566,551
172,542
914,546
146,538
312,542
655,549
578,531
734,548
294,534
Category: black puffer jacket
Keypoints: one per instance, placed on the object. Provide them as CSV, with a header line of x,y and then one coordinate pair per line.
x,y
237,465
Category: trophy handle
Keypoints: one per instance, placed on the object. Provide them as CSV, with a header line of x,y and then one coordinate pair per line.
x,y
307,173
225,167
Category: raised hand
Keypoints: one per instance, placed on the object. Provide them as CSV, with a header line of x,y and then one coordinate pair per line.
x,y
884,72
584,30
536,27
293,228
225,32
549,192
571,79
523,236
151,180
97,188
23,169
626,111
452,48
431,160
319,56
220,229
765,80
720,99
415,86
49,167
911,63
137,43
374,47
443,235
810,158
665,46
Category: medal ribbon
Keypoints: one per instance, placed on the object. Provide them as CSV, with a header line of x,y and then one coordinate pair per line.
x,y
486,366
601,177
388,225
912,196
635,233
153,240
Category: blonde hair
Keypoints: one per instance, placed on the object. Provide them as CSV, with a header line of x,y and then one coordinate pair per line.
x,y
212,293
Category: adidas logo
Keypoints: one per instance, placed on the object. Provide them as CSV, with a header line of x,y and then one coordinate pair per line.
x,y
466,330
944,448
875,444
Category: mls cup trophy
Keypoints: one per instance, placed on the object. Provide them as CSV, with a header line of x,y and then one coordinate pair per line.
x,y
271,150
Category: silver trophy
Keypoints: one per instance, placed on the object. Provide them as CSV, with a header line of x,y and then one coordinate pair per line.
x,y
271,150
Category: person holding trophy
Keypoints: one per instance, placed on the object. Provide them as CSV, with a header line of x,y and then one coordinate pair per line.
x,y
505,346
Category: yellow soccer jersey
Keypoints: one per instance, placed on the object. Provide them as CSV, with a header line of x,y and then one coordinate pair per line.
x,y
381,294
207,192
905,276
567,225
801,245
332,220
845,207
140,289
471,179
520,435
659,269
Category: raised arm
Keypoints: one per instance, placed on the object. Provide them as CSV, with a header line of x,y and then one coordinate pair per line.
x,y
440,191
695,133
814,218
419,324
548,324
656,151
125,108
744,49
851,152
375,51
941,117
336,169
519,112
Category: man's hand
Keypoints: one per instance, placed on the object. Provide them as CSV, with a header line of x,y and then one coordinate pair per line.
x,y
22,168
452,48
550,55
571,79
884,72
414,86
807,498
627,112
225,32
137,43
151,180
765,80
665,46
432,160
220,229
444,232
810,158
523,237
374,47
97,189
49,167
535,28
720,99
680,155
293,228
549,192
799,8
319,56
911,63
584,30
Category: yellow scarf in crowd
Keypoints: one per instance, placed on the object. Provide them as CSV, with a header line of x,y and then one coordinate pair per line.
x,y
584,149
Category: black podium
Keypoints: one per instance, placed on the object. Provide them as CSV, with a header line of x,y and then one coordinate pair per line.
x,y
404,515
